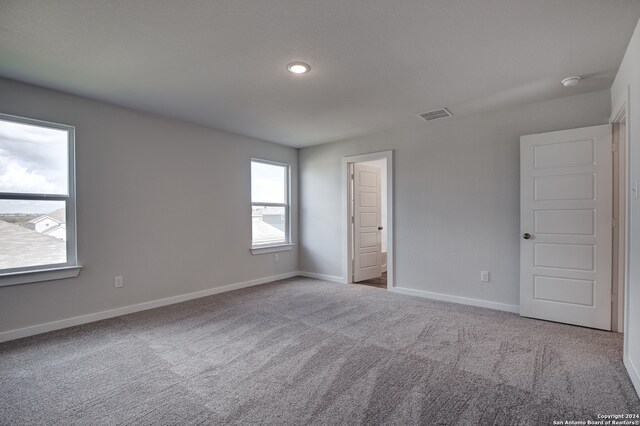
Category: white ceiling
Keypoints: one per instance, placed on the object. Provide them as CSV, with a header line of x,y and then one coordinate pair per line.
x,y
375,63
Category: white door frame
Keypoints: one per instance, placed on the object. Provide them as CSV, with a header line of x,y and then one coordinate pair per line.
x,y
620,112
347,239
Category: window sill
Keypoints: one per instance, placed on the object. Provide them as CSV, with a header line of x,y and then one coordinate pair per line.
x,y
271,249
25,277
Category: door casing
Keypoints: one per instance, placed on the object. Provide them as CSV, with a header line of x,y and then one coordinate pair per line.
x,y
347,240
620,114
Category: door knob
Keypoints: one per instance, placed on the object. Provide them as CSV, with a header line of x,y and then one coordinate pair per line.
x,y
379,228
526,236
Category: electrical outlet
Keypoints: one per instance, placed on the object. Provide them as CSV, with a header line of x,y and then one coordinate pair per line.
x,y
118,282
484,276
276,257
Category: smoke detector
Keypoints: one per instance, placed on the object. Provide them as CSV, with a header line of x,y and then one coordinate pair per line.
x,y
436,114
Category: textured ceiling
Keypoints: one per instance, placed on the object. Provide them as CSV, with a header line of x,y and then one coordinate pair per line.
x,y
375,64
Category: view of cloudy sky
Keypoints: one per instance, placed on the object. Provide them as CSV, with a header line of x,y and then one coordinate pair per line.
x,y
267,183
32,160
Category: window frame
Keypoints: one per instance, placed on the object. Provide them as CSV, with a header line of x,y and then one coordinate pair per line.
x,y
46,272
286,244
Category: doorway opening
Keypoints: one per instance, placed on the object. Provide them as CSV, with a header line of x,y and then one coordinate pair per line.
x,y
619,225
368,224
377,278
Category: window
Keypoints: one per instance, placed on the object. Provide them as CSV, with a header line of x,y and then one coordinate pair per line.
x,y
37,200
269,204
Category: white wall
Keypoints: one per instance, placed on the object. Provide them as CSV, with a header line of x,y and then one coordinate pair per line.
x,y
629,77
457,189
147,188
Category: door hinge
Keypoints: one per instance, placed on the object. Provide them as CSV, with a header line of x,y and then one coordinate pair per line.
x,y
614,222
352,176
352,219
614,147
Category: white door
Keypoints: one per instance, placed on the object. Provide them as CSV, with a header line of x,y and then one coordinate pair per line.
x,y
367,240
565,220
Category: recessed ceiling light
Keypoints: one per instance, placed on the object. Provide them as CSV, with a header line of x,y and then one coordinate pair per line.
x,y
298,67
570,81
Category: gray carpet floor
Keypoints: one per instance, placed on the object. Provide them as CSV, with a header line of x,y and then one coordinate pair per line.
x,y
303,351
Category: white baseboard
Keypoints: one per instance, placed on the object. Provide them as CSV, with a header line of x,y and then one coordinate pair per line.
x,y
633,373
323,277
456,299
97,316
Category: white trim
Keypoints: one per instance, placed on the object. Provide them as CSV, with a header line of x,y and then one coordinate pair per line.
x,y
633,373
69,200
287,205
271,249
38,275
97,316
322,277
457,299
271,162
346,219
620,105
624,104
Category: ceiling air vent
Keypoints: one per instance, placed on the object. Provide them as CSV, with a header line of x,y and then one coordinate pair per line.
x,y
435,114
